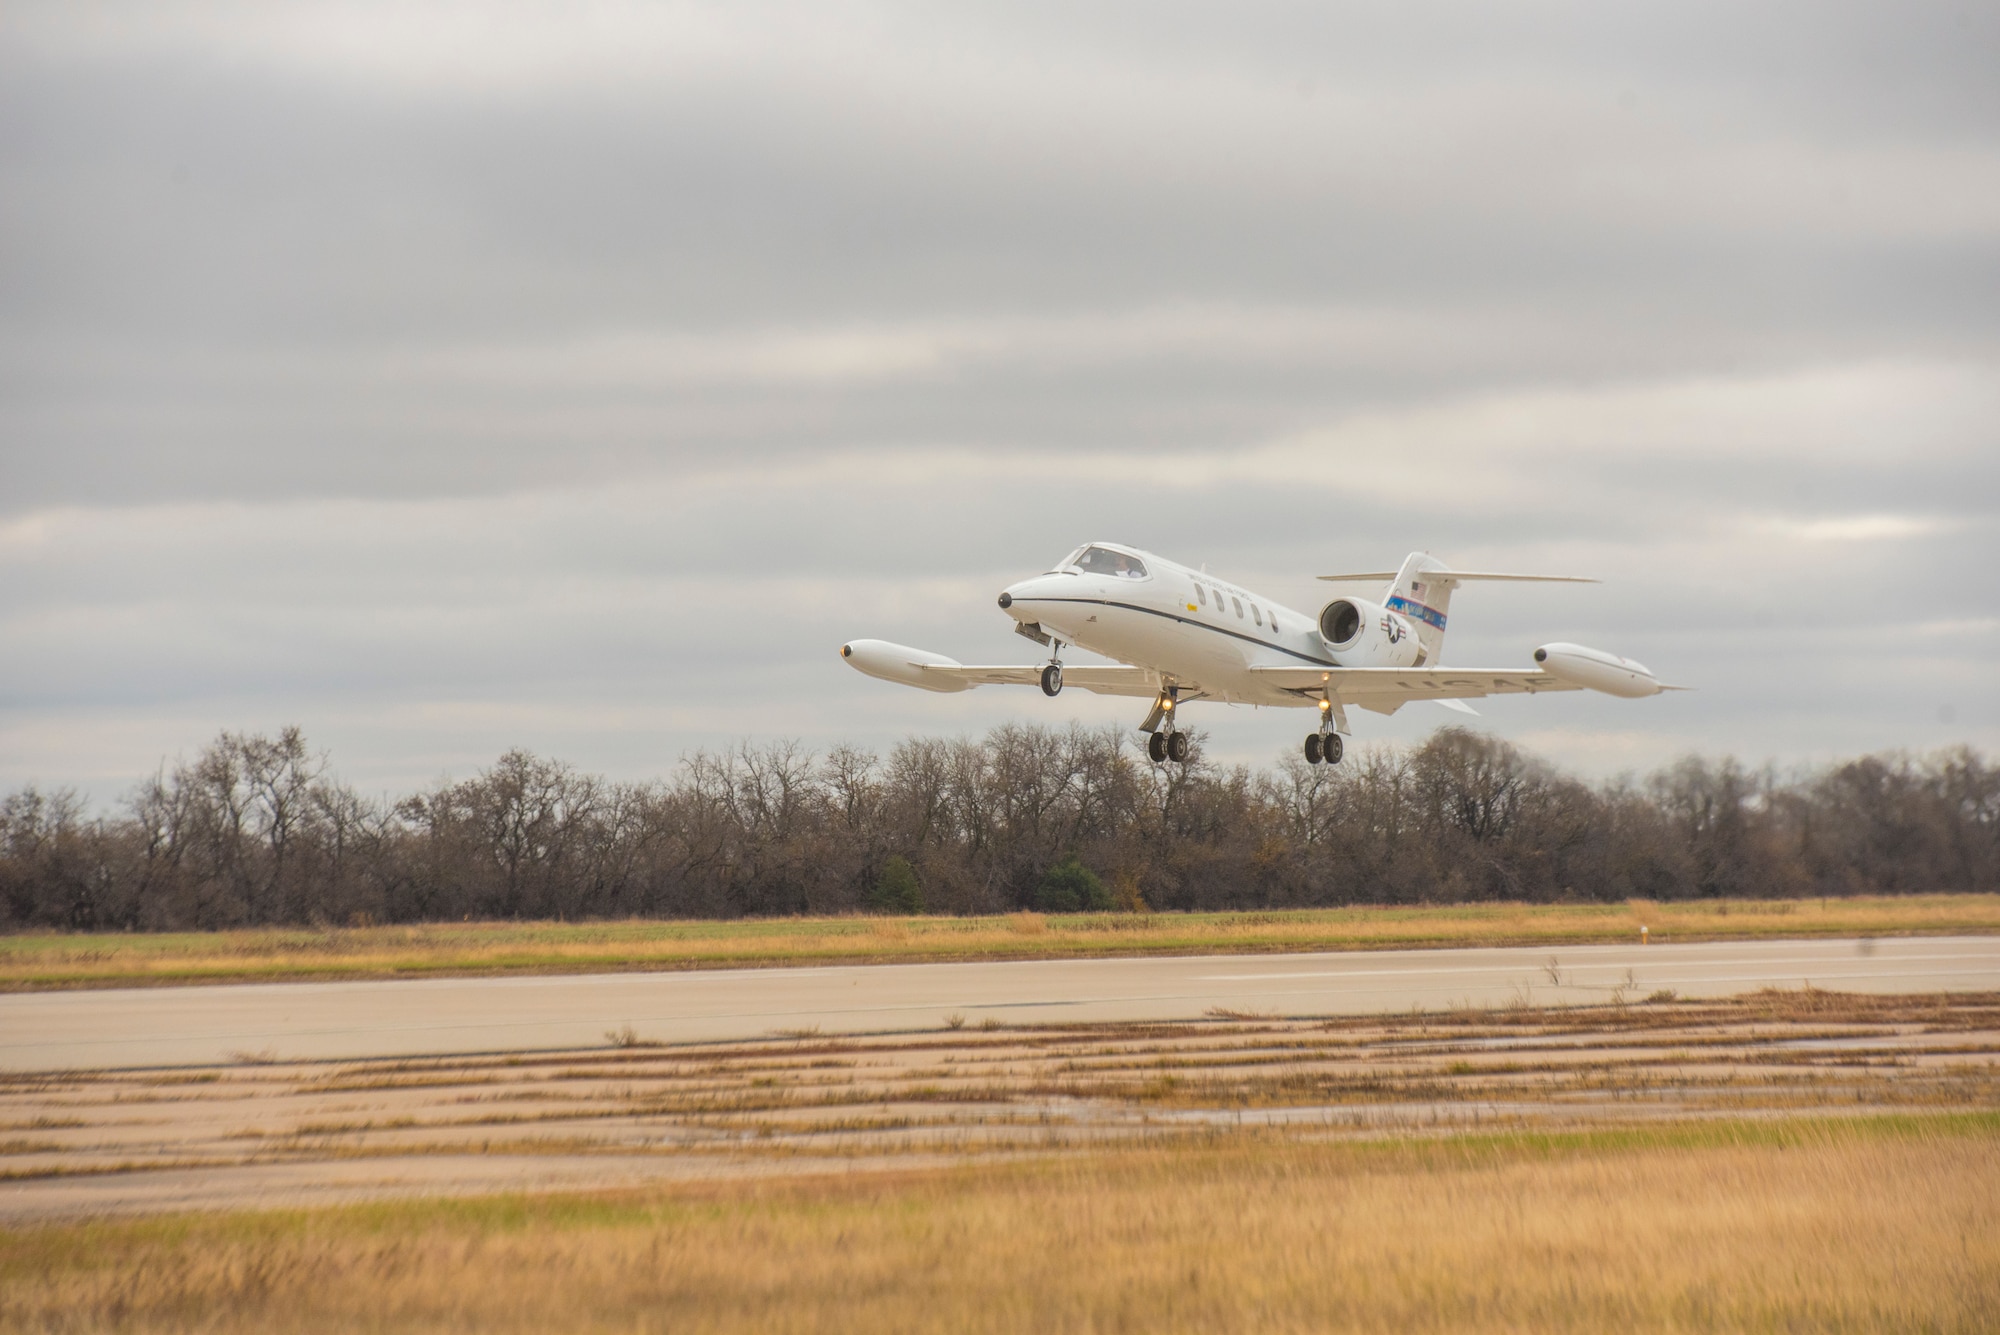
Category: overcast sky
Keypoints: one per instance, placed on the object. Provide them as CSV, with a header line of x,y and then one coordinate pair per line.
x,y
450,377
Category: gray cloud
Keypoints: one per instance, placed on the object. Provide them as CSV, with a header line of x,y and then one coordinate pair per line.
x,y
449,378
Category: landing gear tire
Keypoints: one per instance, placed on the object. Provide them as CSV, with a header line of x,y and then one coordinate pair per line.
x,y
1177,747
1051,680
1332,748
1156,746
1313,754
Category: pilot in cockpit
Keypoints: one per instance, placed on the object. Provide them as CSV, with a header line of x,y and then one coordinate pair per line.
x,y
1103,561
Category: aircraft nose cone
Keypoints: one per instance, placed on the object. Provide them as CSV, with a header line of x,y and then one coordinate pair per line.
x,y
1011,596
1027,601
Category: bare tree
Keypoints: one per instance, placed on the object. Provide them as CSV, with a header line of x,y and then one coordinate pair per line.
x,y
255,831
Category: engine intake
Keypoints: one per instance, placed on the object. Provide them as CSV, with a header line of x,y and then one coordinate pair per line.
x,y
1359,633
1340,622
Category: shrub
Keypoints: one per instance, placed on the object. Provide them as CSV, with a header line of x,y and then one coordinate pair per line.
x,y
1071,887
897,891
1127,895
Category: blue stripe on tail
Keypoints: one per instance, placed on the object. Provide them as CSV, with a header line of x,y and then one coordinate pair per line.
x,y
1430,616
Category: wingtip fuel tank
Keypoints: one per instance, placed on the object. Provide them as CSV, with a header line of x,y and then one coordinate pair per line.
x,y
1598,670
900,663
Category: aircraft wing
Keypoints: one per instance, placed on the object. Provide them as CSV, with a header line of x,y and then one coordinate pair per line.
x,y
1104,679
1385,690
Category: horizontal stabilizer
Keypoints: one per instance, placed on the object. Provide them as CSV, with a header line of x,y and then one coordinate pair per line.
x,y
1464,576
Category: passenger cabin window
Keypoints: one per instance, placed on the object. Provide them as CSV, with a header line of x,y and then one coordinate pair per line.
x,y
1201,595
1104,561
1239,606
1255,615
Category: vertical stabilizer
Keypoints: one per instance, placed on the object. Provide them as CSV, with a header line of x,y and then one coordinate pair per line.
x,y
1424,599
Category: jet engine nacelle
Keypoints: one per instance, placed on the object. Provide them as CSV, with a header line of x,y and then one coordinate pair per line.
x,y
1364,634
897,662
1598,670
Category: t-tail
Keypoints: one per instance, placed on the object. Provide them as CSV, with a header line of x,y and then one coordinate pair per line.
x,y
1421,593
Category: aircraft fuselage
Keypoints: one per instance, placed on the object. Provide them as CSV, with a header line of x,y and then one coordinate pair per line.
x,y
1186,625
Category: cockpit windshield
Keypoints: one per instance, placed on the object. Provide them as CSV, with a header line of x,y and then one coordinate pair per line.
x,y
1104,561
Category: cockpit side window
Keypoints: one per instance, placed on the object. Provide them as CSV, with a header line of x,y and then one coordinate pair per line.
x,y
1104,561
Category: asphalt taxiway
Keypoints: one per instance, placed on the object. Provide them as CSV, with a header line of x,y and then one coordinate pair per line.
x,y
185,1026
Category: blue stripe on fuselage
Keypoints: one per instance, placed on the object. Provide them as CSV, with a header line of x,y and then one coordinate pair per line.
x,y
1430,616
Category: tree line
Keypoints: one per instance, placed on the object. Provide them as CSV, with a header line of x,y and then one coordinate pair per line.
x,y
257,831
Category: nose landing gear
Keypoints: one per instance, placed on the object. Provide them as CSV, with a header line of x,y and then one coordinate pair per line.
x,y
1052,674
1324,745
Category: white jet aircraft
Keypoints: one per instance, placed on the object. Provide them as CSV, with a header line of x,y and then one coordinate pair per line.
x,y
1181,635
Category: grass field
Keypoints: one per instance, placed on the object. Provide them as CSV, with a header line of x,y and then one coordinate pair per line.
x,y
1782,1161
48,960
1885,1224
630,1112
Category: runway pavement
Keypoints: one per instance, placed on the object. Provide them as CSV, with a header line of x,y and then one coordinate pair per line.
x,y
185,1026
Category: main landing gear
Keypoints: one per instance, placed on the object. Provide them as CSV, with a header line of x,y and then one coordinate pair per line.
x,y
1324,745
1164,741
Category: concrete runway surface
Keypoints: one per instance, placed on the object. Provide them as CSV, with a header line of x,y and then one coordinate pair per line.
x,y
187,1026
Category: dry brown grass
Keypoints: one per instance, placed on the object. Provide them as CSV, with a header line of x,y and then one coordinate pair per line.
x,y
57,960
630,1113
1879,1226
